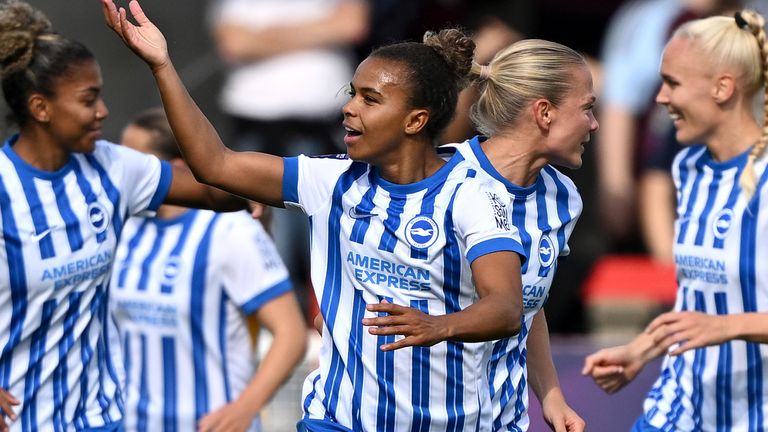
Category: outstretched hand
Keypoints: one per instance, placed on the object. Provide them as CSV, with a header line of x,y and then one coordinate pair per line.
x,y
145,39
690,329
418,328
613,368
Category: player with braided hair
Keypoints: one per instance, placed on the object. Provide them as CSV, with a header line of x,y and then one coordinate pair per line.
x,y
712,376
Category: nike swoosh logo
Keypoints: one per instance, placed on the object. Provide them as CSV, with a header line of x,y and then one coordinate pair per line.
x,y
39,236
354,214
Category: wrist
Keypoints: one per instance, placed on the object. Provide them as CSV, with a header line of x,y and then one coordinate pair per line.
x,y
643,348
444,326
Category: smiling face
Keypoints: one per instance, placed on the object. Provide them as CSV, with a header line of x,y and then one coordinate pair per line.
x,y
686,91
573,121
377,118
76,110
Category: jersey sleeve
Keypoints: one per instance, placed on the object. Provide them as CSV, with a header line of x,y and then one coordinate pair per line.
x,y
481,216
308,182
252,270
145,180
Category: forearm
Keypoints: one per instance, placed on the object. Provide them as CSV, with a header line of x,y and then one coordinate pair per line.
x,y
284,354
492,317
752,327
542,374
644,349
198,141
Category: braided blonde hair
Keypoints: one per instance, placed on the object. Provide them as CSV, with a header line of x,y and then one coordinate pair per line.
x,y
755,23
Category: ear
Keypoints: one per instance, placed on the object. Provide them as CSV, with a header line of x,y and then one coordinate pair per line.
x,y
39,108
724,88
543,113
415,121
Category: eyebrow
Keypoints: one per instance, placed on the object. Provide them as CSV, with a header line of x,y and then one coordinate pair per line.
x,y
592,99
365,89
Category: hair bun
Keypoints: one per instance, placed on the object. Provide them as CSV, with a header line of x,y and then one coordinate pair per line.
x,y
455,47
20,26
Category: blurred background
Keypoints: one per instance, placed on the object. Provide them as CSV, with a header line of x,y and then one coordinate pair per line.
x,y
268,75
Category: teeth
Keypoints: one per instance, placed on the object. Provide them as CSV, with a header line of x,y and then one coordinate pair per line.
x,y
674,116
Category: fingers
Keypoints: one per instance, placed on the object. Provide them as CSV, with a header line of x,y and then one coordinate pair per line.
x,y
109,10
390,330
601,372
138,13
386,307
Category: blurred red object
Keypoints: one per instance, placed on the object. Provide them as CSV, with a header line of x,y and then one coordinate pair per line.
x,y
630,277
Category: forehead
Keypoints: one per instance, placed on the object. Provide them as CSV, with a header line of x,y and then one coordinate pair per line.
x,y
379,74
682,55
582,88
81,76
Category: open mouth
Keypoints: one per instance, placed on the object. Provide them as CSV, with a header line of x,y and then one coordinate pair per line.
x,y
352,132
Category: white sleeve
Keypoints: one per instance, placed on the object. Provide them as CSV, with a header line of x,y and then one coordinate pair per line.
x,y
251,269
308,182
144,179
482,217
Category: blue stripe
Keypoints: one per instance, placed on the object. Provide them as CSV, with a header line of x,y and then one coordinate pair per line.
x,y
186,223
291,179
71,221
684,171
18,282
354,359
114,375
34,367
128,367
428,210
711,195
366,205
732,197
101,361
112,193
223,343
87,191
170,398
392,223
699,360
747,279
513,359
37,212
266,296
420,368
310,397
329,304
197,306
146,273
61,387
542,222
133,244
163,186
723,381
562,199
141,408
499,244
518,220
678,364
385,376
452,290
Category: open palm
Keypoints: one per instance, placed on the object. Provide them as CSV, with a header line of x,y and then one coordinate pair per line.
x,y
145,39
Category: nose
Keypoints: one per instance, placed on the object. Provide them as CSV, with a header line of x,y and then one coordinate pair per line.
x,y
101,110
661,97
347,109
593,125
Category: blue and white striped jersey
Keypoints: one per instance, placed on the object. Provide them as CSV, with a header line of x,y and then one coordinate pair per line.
x,y
181,291
59,234
411,245
721,252
545,215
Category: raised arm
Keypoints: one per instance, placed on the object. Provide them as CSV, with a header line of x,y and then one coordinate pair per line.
x,y
255,176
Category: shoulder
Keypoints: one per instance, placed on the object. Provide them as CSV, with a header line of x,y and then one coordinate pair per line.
x,y
558,175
